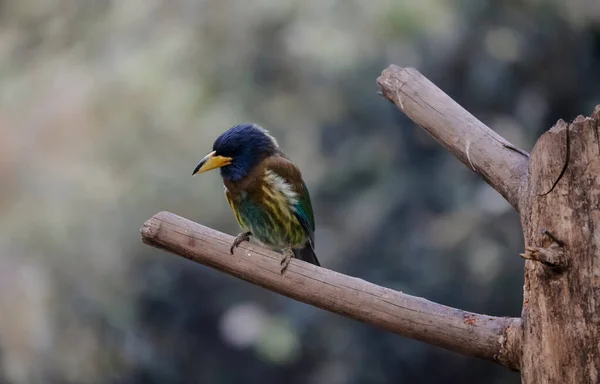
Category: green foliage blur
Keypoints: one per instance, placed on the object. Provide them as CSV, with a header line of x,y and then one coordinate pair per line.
x,y
106,106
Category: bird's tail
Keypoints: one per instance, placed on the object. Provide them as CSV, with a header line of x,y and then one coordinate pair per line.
x,y
307,254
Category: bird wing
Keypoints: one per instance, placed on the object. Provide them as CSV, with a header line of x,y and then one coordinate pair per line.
x,y
303,210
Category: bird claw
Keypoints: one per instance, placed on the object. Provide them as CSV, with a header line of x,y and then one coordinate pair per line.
x,y
244,236
288,254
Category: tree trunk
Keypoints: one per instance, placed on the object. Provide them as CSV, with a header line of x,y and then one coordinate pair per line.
x,y
560,212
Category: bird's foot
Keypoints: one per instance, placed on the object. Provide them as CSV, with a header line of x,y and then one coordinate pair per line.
x,y
244,236
288,254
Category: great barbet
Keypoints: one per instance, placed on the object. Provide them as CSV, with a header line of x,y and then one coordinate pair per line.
x,y
266,192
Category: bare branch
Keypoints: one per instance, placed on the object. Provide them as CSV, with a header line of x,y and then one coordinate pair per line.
x,y
492,338
502,165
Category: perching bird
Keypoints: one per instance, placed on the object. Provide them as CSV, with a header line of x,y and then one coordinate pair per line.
x,y
265,190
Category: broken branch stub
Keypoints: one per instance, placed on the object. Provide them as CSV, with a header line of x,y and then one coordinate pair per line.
x,y
501,164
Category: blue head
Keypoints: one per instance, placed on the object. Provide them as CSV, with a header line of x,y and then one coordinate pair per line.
x,y
238,150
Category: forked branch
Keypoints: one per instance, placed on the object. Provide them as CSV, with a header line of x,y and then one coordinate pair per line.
x,y
502,165
492,338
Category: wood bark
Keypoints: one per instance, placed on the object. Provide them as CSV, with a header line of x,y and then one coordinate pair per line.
x,y
561,216
556,190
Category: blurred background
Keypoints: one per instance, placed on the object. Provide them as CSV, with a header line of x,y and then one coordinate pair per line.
x,y
106,107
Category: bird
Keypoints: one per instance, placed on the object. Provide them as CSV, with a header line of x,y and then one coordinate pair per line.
x,y
266,192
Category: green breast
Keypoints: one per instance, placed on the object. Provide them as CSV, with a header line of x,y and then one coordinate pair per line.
x,y
271,221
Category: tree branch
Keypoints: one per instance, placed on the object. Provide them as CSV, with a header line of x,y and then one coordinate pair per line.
x,y
502,165
492,338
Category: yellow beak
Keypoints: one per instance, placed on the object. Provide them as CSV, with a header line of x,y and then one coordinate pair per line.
x,y
211,161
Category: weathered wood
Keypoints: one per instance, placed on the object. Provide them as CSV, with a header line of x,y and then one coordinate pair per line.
x,y
498,162
491,338
558,197
561,308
